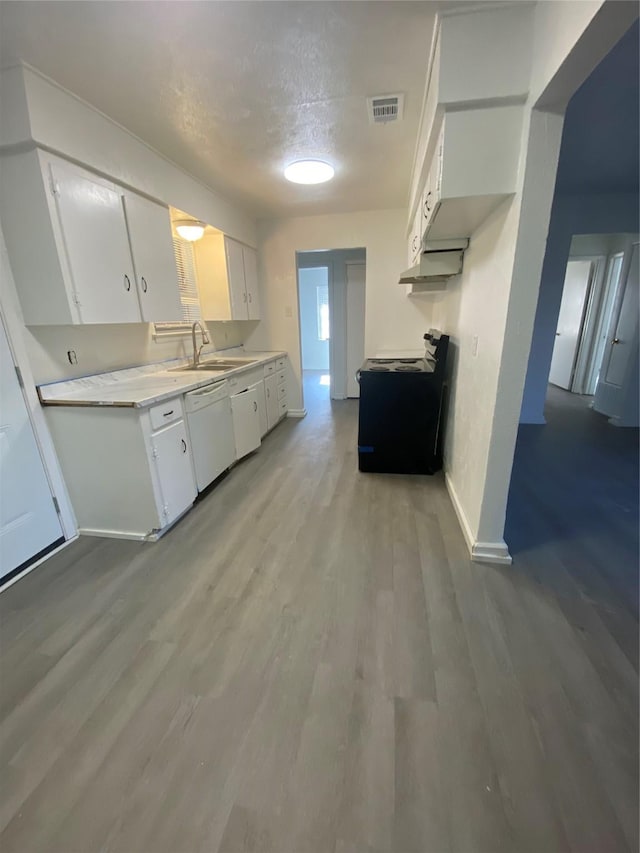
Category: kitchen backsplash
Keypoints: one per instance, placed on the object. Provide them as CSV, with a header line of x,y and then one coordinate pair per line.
x,y
98,349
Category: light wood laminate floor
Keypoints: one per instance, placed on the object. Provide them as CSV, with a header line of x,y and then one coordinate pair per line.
x,y
309,662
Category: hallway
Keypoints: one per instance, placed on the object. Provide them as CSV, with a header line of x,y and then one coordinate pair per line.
x,y
572,518
309,662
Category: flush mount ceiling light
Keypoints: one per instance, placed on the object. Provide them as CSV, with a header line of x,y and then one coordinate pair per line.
x,y
190,229
309,172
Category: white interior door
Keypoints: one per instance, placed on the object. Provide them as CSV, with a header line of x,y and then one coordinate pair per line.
x,y
622,346
574,294
355,324
29,523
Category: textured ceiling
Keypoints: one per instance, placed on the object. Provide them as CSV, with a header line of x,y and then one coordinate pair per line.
x,y
232,91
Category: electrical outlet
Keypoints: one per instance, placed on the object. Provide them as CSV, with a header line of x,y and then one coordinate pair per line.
x,y
474,346
71,355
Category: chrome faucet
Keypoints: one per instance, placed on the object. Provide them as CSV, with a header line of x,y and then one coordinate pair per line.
x,y
205,340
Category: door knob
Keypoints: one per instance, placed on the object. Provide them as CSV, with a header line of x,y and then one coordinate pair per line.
x,y
615,341
557,334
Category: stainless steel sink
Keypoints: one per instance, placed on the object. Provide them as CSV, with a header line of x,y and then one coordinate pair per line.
x,y
219,365
216,368
232,362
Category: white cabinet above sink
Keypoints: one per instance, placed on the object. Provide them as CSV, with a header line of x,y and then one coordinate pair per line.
x,y
83,249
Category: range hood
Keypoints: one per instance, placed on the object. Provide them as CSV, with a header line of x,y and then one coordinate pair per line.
x,y
439,261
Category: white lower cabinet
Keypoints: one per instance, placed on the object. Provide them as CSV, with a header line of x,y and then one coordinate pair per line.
x,y
258,387
128,470
271,392
174,471
246,421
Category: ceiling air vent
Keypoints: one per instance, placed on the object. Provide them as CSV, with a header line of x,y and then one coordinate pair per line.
x,y
385,108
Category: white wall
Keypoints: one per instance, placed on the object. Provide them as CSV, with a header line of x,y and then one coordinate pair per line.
x,y
495,297
392,319
10,309
571,214
315,353
100,349
476,306
35,109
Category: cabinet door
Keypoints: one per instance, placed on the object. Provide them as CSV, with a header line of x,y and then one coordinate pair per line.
x,y
271,392
235,274
427,205
246,422
250,258
97,246
153,258
173,464
417,236
262,406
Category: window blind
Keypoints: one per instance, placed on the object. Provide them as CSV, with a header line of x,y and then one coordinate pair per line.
x,y
188,287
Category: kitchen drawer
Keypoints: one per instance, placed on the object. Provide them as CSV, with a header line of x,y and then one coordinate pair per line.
x,y
245,379
280,363
282,392
269,368
282,407
282,377
165,413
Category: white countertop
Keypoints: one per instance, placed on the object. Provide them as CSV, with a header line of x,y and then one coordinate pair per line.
x,y
143,386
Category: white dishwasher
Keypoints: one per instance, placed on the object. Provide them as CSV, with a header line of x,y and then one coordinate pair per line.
x,y
210,427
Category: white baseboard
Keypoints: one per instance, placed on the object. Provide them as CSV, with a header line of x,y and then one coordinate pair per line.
x,y
480,552
491,552
297,413
37,563
112,534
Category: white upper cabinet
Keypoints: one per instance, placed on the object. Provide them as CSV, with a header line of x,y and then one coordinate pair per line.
x,y
472,121
72,246
250,259
236,280
227,273
149,226
96,246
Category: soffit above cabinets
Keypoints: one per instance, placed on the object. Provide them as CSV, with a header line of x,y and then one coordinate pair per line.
x,y
232,92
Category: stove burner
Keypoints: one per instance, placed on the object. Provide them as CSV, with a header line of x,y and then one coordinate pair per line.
x,y
379,369
407,368
382,360
408,360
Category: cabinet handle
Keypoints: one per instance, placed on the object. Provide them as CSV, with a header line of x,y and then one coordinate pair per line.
x,y
255,406
184,445
427,209
249,297
127,283
268,393
166,414
245,296
615,341
144,284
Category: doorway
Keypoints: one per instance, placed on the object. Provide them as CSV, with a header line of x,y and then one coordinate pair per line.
x,y
315,327
331,303
590,309
30,526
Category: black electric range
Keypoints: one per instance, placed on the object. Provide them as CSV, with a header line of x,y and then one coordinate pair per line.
x,y
399,425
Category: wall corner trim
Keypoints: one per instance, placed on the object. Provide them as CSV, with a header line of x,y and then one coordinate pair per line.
x,y
297,413
480,552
